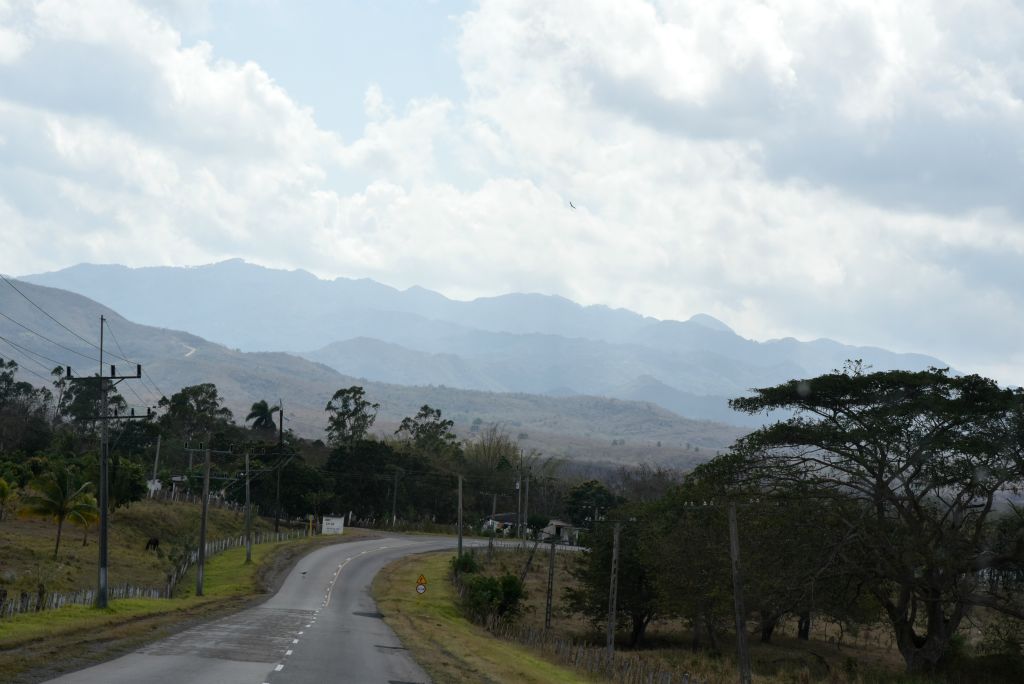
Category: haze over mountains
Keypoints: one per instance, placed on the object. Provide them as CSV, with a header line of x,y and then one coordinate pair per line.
x,y
520,343
580,428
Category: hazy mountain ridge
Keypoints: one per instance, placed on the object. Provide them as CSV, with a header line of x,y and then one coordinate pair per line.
x,y
582,427
517,342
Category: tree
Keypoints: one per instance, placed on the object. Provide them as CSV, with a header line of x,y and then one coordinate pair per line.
x,y
262,416
195,411
637,600
351,416
428,432
588,501
918,460
58,495
84,516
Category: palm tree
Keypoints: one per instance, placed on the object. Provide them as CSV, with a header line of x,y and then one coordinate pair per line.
x,y
262,415
57,495
84,517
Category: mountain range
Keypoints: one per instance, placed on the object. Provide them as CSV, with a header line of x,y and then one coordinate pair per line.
x,y
515,343
43,327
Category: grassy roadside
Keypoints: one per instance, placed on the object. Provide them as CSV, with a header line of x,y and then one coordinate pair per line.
x,y
449,647
38,646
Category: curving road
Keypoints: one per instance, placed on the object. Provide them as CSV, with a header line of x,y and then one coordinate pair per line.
x,y
321,626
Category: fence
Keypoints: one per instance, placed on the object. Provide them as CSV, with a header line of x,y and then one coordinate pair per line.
x,y
174,496
34,602
622,668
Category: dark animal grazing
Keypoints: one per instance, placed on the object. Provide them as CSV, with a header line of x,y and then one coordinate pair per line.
x,y
153,543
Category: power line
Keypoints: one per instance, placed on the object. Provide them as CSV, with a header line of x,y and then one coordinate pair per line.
x,y
28,370
48,315
155,389
33,353
22,325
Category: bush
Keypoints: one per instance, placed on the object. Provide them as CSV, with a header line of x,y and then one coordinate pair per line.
x,y
465,564
493,599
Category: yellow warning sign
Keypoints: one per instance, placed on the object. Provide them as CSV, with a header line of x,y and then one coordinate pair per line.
x,y
421,580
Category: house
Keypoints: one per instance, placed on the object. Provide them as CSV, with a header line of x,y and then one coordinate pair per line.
x,y
500,523
562,531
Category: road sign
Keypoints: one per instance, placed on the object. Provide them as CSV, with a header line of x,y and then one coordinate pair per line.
x,y
420,588
421,580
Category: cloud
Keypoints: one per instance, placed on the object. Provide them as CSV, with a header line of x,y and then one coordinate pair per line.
x,y
793,168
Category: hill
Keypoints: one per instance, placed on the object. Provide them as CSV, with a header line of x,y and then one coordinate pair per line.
x,y
518,342
581,427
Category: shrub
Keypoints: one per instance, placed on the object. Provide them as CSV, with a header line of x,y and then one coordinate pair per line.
x,y
493,599
465,564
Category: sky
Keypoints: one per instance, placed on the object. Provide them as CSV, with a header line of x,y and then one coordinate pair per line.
x,y
805,168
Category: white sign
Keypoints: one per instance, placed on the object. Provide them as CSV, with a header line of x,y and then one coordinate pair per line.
x,y
332,525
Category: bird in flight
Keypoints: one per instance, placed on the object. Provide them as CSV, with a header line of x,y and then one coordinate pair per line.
x,y
572,205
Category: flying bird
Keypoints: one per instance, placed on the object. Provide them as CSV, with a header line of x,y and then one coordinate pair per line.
x,y
572,205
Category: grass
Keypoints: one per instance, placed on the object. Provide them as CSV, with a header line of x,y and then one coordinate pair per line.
x,y
26,547
449,647
37,646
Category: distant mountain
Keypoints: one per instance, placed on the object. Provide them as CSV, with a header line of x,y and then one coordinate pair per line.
x,y
580,427
527,343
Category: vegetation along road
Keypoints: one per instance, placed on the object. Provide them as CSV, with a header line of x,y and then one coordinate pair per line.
x,y
322,625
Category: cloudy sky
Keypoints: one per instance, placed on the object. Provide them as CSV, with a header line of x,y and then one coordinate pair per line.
x,y
809,168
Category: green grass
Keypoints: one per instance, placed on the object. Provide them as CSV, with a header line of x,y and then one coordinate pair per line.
x,y
26,547
449,647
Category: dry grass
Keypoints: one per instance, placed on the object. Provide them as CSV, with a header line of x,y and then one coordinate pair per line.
x,y
449,647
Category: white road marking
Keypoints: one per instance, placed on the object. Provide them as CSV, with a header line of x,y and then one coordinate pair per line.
x,y
295,641
288,652
278,668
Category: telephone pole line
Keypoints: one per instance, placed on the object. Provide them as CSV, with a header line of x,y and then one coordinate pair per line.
x,y
460,516
201,565
551,586
248,513
104,417
613,590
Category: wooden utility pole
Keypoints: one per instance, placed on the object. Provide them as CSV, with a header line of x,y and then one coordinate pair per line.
x,y
551,586
613,590
494,530
394,500
742,650
156,459
460,516
280,466
248,513
526,505
200,566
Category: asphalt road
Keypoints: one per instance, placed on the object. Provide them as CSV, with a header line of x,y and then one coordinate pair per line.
x,y
321,626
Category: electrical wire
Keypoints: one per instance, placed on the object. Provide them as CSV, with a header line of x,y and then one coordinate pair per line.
x,y
22,367
33,353
38,334
48,315
155,390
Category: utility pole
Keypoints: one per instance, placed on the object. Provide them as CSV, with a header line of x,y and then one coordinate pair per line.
x,y
101,591
460,516
394,500
156,459
200,566
494,531
104,417
519,497
551,586
742,651
280,462
526,505
248,514
613,590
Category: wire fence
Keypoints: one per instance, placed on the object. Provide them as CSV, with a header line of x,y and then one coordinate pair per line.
x,y
40,600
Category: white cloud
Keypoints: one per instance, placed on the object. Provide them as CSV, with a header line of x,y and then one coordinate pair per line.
x,y
794,167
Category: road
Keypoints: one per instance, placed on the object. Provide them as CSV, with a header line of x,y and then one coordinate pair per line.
x,y
321,626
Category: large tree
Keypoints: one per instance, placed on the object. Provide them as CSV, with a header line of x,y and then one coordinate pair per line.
x,y
920,460
195,411
350,417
